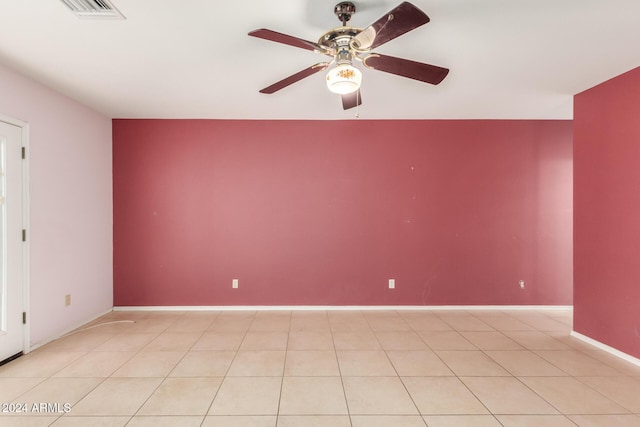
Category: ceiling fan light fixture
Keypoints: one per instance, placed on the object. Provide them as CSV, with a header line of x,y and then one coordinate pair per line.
x,y
344,79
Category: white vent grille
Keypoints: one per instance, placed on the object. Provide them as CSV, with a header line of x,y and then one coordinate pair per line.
x,y
93,8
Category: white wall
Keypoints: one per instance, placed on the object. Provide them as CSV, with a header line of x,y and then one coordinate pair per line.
x,y
71,209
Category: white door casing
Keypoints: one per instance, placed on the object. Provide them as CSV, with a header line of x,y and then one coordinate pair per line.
x,y
13,332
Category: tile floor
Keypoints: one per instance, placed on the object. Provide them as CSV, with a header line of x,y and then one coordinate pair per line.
x,y
322,368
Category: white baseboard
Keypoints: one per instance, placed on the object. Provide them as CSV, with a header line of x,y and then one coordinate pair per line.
x,y
39,344
344,307
608,349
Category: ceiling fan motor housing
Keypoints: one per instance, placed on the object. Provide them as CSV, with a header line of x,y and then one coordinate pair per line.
x,y
344,10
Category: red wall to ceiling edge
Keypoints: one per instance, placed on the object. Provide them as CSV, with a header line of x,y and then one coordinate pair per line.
x,y
607,213
325,212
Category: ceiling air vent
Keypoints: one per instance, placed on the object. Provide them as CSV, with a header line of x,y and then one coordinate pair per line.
x,y
93,9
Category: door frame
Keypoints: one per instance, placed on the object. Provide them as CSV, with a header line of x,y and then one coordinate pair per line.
x,y
26,329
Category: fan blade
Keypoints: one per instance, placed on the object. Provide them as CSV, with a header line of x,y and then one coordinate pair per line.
x,y
351,100
406,68
286,39
404,18
294,78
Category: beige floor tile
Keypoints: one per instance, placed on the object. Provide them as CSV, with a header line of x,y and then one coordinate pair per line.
x,y
20,421
442,395
173,341
204,314
471,363
60,390
165,421
525,364
401,340
544,323
11,388
150,364
313,421
358,324
446,340
257,363
127,342
462,421
310,324
535,421
362,340
122,315
620,365
237,314
240,421
623,390
270,315
96,364
377,396
312,396
309,314
387,421
427,323
219,341
395,323
182,396
362,363
383,314
419,363
247,396
576,363
506,323
311,363
345,315
573,342
270,324
606,420
265,341
525,388
82,341
536,340
466,323
490,340
310,340
190,324
571,396
204,364
230,324
117,396
71,421
39,364
507,395
149,325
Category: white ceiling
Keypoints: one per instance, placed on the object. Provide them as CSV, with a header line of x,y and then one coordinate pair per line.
x,y
509,59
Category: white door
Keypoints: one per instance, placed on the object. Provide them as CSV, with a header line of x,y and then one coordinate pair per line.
x,y
11,250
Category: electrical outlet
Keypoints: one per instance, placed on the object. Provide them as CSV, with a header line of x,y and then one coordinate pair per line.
x,y
392,283
234,283
521,283
67,300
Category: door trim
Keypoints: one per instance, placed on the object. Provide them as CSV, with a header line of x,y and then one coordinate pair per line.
x,y
26,329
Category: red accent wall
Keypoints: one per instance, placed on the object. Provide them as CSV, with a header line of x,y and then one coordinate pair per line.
x,y
607,213
325,212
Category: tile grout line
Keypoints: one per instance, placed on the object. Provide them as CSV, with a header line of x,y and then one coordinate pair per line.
x,y
335,353
237,350
284,364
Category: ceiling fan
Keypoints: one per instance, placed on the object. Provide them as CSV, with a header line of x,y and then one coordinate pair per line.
x,y
346,44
